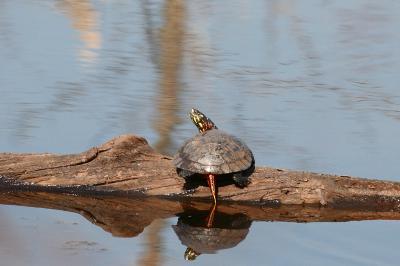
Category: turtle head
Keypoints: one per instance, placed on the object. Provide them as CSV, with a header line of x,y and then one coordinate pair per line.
x,y
202,122
191,254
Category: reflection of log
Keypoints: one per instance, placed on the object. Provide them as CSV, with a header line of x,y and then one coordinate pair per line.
x,y
128,216
129,164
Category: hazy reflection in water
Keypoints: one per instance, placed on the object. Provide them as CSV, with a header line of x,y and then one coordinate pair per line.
x,y
308,85
202,236
84,19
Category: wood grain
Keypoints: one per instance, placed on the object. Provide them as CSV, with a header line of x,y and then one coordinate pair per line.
x,y
127,164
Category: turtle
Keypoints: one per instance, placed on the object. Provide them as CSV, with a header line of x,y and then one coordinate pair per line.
x,y
214,154
227,231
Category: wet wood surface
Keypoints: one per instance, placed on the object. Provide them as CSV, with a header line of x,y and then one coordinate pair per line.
x,y
128,165
128,216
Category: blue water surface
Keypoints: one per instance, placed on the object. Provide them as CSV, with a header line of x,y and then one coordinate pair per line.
x,y
310,85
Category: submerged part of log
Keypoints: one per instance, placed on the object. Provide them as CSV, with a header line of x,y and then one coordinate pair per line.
x,y
128,164
128,216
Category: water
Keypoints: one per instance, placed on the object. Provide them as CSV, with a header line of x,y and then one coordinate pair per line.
x,y
309,85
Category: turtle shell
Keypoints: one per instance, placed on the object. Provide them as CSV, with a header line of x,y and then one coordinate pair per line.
x,y
209,240
215,152
228,230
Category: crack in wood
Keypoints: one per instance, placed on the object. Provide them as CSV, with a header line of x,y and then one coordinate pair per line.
x,y
132,165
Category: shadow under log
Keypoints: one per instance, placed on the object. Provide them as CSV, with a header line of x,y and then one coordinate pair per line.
x,y
127,165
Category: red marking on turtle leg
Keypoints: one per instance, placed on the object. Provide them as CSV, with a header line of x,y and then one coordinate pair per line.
x,y
211,184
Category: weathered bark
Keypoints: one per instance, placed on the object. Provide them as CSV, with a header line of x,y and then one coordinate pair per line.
x,y
128,164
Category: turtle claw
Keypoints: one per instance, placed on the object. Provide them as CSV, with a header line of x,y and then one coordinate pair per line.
x,y
190,187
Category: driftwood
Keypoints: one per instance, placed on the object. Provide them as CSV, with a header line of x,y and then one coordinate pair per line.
x,y
128,165
128,216
124,185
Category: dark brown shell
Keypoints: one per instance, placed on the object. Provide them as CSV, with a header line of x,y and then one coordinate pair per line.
x,y
209,240
214,152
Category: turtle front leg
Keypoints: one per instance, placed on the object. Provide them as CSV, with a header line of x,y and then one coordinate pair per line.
x,y
184,173
241,180
211,184
190,185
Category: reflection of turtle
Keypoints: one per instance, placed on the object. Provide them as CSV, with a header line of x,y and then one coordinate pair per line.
x,y
214,153
228,230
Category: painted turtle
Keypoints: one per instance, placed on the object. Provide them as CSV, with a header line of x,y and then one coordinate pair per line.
x,y
227,231
214,153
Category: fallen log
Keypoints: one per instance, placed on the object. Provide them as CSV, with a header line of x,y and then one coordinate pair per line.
x,y
128,216
128,165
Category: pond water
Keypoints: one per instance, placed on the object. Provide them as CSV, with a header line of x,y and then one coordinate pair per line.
x,y
310,85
